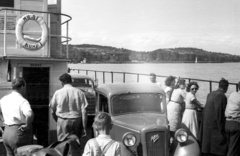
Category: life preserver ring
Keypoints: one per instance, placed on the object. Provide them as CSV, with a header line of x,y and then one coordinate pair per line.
x,y
39,42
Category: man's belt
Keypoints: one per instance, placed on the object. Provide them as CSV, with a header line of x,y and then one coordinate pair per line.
x,y
232,119
191,108
175,102
13,125
69,118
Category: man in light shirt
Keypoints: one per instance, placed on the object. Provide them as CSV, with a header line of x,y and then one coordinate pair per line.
x,y
69,109
17,117
232,126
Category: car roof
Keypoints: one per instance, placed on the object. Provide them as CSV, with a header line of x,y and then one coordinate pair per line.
x,y
123,88
74,76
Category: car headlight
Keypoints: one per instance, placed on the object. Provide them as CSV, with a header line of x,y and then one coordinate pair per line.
x,y
181,135
129,139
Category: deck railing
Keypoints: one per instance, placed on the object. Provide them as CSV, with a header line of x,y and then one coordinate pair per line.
x,y
124,75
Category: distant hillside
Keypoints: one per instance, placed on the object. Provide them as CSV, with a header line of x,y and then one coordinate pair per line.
x,y
106,54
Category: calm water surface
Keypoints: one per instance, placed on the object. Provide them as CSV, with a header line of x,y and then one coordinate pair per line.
x,y
205,71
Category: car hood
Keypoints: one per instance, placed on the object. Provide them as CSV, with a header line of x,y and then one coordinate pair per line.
x,y
140,120
87,90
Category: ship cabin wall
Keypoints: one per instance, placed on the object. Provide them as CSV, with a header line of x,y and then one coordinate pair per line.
x,y
42,78
40,68
8,40
55,31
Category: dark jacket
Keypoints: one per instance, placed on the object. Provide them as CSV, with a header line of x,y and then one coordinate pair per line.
x,y
212,132
68,146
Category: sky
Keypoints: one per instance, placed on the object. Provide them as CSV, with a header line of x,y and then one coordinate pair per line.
x,y
146,25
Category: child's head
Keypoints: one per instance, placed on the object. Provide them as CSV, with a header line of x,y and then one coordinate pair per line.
x,y
102,121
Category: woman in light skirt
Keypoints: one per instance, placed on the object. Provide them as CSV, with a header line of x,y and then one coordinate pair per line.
x,y
190,120
175,107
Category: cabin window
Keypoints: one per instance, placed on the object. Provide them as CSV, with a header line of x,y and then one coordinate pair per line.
x,y
136,103
52,2
82,82
7,3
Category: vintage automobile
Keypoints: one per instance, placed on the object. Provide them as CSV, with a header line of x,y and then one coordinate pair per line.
x,y
140,122
87,85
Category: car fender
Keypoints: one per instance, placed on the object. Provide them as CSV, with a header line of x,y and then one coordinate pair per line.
x,y
125,151
188,148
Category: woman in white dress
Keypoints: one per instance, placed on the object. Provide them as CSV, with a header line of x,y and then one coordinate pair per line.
x,y
190,120
175,107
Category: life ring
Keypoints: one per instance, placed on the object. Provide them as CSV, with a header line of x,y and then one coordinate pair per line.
x,y
22,40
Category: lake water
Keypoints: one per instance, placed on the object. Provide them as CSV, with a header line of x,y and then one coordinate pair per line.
x,y
204,71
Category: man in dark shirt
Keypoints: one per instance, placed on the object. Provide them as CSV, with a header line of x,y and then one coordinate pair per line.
x,y
212,132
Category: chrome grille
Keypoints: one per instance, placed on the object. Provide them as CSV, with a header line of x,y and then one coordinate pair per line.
x,y
155,143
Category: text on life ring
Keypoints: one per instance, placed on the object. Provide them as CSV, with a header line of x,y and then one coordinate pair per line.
x,y
39,42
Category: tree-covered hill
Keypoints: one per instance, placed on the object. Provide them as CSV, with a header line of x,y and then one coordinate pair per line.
x,y
105,54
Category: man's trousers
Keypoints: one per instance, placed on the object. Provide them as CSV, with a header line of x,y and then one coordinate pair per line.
x,y
232,129
67,126
14,138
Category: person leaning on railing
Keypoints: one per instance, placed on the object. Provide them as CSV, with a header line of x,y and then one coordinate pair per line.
x,y
190,120
175,107
153,79
212,132
232,126
170,84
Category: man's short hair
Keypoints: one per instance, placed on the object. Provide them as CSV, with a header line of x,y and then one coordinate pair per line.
x,y
169,80
65,78
152,74
181,81
223,83
17,83
102,121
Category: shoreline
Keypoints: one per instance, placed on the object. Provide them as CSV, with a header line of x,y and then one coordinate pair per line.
x,y
151,62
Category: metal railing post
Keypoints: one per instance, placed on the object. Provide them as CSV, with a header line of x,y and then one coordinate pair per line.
x,y
103,77
123,77
78,71
86,72
210,85
112,76
5,34
49,36
95,75
237,87
67,42
137,77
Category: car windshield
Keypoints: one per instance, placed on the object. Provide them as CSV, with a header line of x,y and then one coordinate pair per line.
x,y
82,82
136,103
